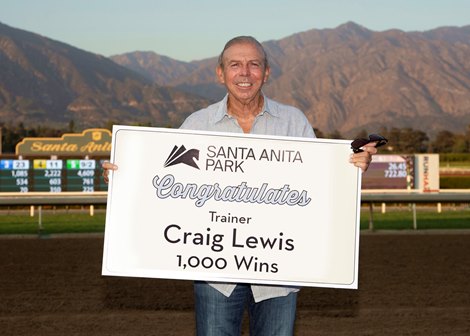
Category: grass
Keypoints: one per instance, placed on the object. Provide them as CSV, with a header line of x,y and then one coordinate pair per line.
x,y
19,222
461,165
428,218
398,218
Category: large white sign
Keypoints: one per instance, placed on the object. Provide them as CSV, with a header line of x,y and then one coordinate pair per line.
x,y
232,208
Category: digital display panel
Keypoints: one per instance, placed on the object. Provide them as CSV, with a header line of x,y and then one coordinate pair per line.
x,y
80,175
47,175
388,172
14,175
51,175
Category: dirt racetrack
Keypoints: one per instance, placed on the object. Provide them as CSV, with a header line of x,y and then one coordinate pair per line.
x,y
409,284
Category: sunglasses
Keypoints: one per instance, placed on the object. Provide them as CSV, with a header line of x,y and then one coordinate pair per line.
x,y
358,143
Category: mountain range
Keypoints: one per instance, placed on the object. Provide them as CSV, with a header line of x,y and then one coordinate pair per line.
x,y
48,82
345,79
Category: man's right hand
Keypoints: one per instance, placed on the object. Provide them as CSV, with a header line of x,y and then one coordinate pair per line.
x,y
107,166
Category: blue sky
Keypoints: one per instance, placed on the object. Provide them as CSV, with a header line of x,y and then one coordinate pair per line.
x,y
191,30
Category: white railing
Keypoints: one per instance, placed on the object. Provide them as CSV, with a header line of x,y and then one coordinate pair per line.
x,y
412,197
370,197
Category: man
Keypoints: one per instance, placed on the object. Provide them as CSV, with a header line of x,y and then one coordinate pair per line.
x,y
243,68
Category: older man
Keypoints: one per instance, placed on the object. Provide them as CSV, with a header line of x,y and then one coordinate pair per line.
x,y
243,68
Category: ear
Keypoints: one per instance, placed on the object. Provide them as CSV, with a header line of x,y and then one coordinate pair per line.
x,y
267,72
220,74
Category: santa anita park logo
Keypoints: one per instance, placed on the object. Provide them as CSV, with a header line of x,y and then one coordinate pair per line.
x,y
229,158
182,155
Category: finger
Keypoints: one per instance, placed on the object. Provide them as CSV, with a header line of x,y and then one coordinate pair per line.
x,y
109,165
363,164
370,148
105,175
361,160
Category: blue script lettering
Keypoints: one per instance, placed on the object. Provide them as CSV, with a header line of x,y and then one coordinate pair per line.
x,y
168,187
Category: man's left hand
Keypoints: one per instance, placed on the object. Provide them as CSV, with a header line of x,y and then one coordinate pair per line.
x,y
363,159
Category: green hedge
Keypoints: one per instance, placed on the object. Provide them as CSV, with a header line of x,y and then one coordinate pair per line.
x,y
454,182
454,157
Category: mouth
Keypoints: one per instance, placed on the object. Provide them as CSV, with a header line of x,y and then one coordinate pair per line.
x,y
244,85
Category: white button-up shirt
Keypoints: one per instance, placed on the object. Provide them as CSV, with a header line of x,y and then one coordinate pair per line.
x,y
274,119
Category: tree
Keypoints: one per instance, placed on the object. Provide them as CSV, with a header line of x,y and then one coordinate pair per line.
x,y
467,138
71,128
413,141
443,142
335,135
10,139
460,144
318,133
13,134
362,134
406,140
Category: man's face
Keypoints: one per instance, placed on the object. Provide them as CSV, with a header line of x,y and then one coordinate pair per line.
x,y
244,72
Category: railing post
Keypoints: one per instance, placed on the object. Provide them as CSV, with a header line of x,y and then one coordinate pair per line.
x,y
415,221
40,227
371,216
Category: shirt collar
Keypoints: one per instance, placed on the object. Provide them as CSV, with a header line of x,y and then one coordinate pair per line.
x,y
222,111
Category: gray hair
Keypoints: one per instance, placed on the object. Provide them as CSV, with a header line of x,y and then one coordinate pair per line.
x,y
240,40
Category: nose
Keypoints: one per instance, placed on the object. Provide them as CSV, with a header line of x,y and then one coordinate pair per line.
x,y
245,70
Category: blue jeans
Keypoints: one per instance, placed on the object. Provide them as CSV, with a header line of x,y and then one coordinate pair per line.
x,y
218,315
